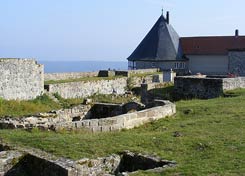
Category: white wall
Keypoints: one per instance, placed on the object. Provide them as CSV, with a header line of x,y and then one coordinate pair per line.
x,y
208,64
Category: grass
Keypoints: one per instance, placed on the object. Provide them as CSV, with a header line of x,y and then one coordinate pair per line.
x,y
211,140
165,91
68,103
81,79
17,108
95,78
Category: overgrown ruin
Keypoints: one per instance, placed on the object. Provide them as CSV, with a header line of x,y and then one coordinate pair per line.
x,y
15,162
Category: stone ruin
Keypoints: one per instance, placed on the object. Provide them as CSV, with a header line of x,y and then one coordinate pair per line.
x,y
98,118
205,87
15,162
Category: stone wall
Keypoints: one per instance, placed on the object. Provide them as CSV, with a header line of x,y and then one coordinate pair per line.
x,y
56,121
88,88
204,87
45,120
84,89
237,62
125,121
233,83
21,79
22,161
72,75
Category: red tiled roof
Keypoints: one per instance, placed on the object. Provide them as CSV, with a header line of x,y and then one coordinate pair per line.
x,y
211,45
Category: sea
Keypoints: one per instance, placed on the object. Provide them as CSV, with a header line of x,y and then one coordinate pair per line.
x,y
82,66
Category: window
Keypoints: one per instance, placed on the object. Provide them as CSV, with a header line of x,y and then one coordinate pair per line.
x,y
153,64
131,65
179,65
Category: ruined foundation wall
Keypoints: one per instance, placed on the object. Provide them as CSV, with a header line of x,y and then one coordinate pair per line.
x,y
59,122
204,88
193,87
21,79
125,121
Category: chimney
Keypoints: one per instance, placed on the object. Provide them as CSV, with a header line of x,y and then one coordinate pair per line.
x,y
237,33
167,17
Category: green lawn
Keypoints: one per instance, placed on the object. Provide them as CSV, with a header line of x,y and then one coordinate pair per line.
x,y
210,140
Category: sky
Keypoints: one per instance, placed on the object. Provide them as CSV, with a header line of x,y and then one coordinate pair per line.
x,y
109,30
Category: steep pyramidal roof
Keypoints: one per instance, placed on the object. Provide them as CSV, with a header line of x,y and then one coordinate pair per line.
x,y
161,43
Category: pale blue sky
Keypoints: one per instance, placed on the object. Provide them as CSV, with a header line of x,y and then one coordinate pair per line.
x,y
105,29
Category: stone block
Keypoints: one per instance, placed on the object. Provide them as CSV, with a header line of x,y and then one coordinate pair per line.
x,y
86,123
117,127
106,73
21,79
94,122
142,114
96,128
107,121
106,129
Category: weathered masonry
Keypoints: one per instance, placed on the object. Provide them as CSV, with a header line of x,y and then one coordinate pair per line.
x,y
84,89
21,79
102,118
205,87
124,121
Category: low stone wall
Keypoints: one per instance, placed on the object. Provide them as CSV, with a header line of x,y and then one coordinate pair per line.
x,y
125,121
63,119
20,79
72,75
87,88
204,87
84,89
233,83
80,117
45,121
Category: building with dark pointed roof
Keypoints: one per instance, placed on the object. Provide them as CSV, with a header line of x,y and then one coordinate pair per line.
x,y
163,48
161,44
